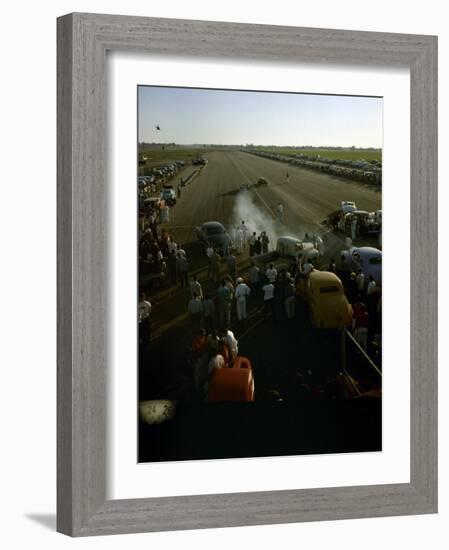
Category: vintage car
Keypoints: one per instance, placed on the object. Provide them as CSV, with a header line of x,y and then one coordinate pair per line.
x,y
168,195
366,222
369,260
328,305
215,234
232,384
262,181
290,246
348,206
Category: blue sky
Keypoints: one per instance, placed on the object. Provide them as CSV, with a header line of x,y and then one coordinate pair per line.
x,y
187,115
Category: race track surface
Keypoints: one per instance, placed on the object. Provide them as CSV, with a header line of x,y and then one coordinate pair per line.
x,y
307,196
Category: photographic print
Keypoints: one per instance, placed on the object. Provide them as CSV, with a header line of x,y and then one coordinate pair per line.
x,y
259,273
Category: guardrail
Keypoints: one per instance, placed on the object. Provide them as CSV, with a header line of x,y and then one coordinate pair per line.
x,y
363,352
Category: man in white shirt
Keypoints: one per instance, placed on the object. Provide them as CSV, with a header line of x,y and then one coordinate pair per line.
x,y
307,267
244,229
371,286
268,299
172,246
242,291
271,273
231,342
195,308
252,242
360,281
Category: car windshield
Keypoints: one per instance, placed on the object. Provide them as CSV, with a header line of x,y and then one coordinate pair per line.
x,y
215,230
377,260
329,289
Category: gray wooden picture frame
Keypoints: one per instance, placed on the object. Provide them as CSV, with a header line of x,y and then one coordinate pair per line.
x,y
83,40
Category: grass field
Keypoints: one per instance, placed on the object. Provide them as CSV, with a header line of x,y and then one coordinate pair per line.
x,y
344,154
156,156
159,156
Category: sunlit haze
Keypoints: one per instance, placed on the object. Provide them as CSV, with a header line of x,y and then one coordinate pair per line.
x,y
226,117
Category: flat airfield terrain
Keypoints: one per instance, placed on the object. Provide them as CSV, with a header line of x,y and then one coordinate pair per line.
x,y
307,196
282,351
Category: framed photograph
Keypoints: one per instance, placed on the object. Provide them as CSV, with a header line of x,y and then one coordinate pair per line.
x,y
226,193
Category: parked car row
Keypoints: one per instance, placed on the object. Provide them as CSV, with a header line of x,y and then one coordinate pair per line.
x,y
156,178
360,170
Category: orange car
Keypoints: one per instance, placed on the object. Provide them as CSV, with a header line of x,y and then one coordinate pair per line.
x,y
232,384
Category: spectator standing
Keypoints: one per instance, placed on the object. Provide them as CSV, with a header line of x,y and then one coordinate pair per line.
x,y
268,300
258,247
245,231
344,268
319,244
371,297
144,310
360,323
171,245
360,282
254,277
209,252
371,288
208,312
351,288
242,292
199,342
252,242
195,287
332,266
182,268
353,228
212,342
239,238
224,304
216,362
290,298
230,287
215,266
265,242
226,246
271,273
231,342
171,265
307,267
231,262
165,214
195,309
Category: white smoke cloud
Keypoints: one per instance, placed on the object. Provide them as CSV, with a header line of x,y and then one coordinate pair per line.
x,y
256,218
261,217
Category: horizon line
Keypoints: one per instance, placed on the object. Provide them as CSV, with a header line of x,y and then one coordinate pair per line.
x,y
173,144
